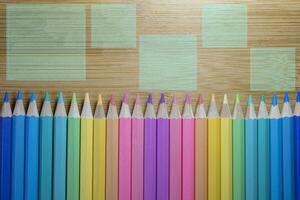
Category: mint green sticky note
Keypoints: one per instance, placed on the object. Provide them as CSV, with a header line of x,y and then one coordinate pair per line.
x,y
273,69
168,62
224,26
45,42
113,26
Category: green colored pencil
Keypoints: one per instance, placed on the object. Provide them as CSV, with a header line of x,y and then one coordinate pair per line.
x,y
73,159
238,139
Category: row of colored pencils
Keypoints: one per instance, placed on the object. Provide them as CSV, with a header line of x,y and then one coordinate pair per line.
x,y
151,156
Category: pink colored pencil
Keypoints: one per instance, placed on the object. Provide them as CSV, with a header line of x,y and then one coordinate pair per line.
x,y
137,151
201,151
175,151
125,151
188,151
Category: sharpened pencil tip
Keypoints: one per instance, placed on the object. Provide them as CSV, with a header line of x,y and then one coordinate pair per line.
x,y
237,99
6,97
286,98
187,99
175,99
298,97
200,99
74,99
125,98
213,98
162,98
274,100
137,99
19,95
46,97
263,99
250,100
32,97
60,97
150,100
99,102
225,99
86,97
112,100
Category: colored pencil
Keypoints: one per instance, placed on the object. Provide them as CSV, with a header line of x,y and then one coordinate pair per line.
x,y
275,151
163,155
32,151
226,151
288,149
137,187
46,149
86,150
214,153
125,151
18,148
5,149
112,150
73,152
99,151
200,151
251,151
263,151
59,150
297,146
238,140
188,151
150,158
175,152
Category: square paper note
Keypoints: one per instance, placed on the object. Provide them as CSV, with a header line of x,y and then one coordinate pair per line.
x,y
224,26
45,42
273,69
168,62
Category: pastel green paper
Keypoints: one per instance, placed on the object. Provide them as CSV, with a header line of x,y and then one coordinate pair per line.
x,y
273,69
46,41
168,62
113,26
224,26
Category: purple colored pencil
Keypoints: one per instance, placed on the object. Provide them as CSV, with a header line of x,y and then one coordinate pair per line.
x,y
163,154
150,152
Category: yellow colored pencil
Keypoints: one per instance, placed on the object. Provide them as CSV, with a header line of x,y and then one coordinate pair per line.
x,y
99,152
112,151
226,151
214,152
86,151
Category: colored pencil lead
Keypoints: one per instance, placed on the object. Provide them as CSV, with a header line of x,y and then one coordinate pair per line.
x,y
162,98
188,99
298,97
175,99
274,100
99,102
286,97
6,97
32,97
112,100
19,95
74,99
125,98
60,98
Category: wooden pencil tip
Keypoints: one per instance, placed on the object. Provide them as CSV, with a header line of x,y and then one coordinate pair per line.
x,y
99,102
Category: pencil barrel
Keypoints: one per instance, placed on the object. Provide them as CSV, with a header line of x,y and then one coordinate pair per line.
x,y
18,157
238,167
297,156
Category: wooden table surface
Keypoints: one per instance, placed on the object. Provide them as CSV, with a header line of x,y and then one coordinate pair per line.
x,y
115,71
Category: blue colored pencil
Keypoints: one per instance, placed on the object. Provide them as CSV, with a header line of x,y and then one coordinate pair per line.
x,y
60,150
5,149
251,152
297,147
32,151
275,151
263,151
18,148
46,140
288,150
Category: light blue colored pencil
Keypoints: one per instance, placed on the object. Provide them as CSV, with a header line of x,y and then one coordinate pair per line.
x,y
32,151
263,151
251,151
288,150
18,148
275,151
46,148
60,150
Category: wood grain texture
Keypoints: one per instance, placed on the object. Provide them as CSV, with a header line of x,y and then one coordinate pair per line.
x,y
115,71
